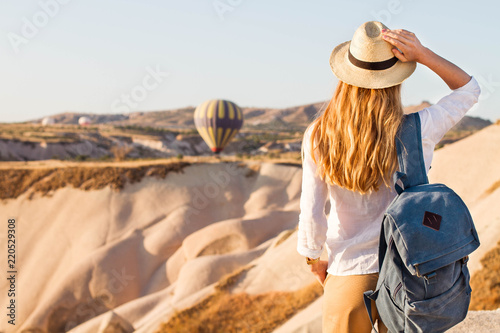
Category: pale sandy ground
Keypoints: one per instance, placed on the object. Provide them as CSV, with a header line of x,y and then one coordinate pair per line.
x,y
90,261
154,247
470,167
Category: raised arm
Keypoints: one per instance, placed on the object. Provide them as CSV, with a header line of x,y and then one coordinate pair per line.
x,y
410,49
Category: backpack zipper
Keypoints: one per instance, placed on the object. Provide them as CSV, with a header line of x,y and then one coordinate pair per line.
x,y
398,287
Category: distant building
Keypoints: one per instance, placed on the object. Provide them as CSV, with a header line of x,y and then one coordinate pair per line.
x,y
84,121
48,121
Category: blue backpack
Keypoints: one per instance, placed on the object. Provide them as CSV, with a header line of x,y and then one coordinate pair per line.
x,y
426,237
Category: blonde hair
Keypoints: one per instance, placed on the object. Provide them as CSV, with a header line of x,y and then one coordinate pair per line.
x,y
354,138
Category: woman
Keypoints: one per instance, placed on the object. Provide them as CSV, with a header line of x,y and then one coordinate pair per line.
x,y
349,157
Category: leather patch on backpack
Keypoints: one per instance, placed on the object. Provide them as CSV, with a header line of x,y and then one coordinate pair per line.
x,y
432,220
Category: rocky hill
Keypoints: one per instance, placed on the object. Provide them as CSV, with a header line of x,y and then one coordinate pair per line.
x,y
266,132
273,119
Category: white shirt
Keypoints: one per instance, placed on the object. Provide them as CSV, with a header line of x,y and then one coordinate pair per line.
x,y
351,231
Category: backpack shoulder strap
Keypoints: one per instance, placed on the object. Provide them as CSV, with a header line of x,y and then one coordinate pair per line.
x,y
410,153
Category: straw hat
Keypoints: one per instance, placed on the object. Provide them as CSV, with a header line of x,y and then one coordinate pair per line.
x,y
367,60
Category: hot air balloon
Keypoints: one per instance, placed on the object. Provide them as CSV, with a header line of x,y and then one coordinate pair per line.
x,y
218,121
48,121
84,121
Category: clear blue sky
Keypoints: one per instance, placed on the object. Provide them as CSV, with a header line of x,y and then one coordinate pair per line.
x,y
86,55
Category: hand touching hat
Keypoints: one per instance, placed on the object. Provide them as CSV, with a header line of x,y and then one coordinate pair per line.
x,y
367,61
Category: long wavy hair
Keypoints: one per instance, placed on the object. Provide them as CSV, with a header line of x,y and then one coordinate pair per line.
x,y
353,141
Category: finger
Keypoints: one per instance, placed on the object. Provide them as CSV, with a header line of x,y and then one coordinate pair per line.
x,y
399,55
408,35
396,42
407,32
398,36
403,31
394,31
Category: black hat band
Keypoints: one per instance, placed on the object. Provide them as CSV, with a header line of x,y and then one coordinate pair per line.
x,y
374,66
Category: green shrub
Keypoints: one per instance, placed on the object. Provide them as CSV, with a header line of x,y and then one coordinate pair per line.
x,y
81,158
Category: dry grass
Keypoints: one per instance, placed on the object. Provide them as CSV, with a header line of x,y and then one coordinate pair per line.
x,y
120,152
14,182
253,169
485,283
229,280
44,177
39,133
283,236
190,159
492,188
241,312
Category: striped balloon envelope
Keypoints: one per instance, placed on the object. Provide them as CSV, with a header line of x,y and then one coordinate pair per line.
x,y
218,121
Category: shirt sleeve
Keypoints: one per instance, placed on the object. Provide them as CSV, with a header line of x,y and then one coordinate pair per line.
x,y
439,118
312,219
